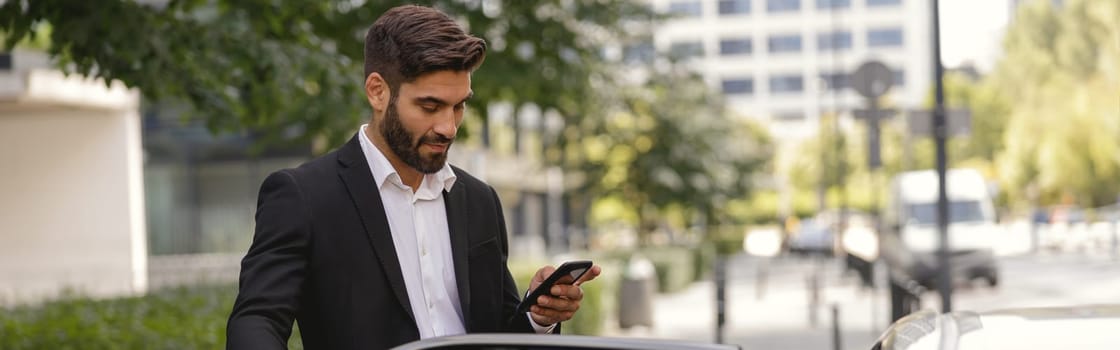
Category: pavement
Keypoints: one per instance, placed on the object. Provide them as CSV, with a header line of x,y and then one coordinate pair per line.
x,y
770,302
768,307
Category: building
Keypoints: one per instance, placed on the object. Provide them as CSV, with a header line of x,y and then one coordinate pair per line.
x,y
72,189
786,63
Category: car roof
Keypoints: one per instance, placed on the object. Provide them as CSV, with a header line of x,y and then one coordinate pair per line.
x,y
555,341
1087,326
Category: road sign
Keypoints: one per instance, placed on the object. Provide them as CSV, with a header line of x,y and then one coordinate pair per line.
x,y
877,114
920,122
872,79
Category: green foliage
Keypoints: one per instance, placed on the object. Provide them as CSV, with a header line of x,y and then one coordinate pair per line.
x,y
668,144
185,318
1063,137
1045,123
292,71
674,267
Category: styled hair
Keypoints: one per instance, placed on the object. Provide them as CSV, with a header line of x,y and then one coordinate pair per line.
x,y
409,41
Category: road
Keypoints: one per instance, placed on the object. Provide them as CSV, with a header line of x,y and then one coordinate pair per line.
x,y
775,313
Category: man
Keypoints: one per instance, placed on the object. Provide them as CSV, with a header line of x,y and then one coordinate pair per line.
x,y
382,242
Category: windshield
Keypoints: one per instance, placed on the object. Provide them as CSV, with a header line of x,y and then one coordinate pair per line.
x,y
959,211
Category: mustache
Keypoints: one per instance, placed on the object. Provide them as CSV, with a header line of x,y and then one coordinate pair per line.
x,y
436,139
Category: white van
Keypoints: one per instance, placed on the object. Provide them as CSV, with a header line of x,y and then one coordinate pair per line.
x,y
911,243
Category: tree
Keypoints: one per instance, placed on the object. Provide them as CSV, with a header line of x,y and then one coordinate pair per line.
x,y
291,70
1063,137
669,143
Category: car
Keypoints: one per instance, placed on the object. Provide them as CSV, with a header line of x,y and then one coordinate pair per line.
x,y
1066,327
910,244
508,341
812,237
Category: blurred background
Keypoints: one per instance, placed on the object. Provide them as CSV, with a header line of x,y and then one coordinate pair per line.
x,y
775,155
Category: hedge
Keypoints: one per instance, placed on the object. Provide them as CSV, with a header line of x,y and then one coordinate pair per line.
x,y
183,318
195,318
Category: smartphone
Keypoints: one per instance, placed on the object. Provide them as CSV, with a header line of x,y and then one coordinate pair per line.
x,y
569,272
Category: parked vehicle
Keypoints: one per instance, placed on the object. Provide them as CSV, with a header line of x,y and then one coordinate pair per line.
x,y
911,243
812,237
508,341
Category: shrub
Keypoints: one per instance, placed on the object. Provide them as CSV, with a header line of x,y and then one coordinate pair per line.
x,y
181,318
674,266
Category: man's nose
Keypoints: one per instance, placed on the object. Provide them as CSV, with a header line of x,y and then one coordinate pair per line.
x,y
447,125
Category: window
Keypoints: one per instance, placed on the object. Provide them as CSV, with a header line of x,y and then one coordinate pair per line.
x,y
783,5
833,4
784,43
686,49
742,86
686,8
899,77
839,41
638,53
734,7
883,2
835,81
959,211
735,46
786,83
886,37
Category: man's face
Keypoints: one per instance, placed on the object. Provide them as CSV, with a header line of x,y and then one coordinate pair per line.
x,y
420,123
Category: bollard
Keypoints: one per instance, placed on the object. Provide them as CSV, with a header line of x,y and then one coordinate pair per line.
x,y
814,297
760,283
1116,238
836,341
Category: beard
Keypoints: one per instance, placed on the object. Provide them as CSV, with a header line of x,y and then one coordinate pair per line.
x,y
407,147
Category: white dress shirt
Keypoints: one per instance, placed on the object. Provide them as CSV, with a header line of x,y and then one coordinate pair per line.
x,y
418,222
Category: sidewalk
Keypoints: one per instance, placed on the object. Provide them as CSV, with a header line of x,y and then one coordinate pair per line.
x,y
777,319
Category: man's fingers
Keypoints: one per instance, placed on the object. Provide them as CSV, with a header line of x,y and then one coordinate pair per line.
x,y
551,315
573,292
590,275
560,304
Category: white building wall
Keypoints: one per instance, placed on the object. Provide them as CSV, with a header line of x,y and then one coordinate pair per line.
x,y
763,105
71,190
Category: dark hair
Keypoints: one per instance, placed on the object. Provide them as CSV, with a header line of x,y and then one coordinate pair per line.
x,y
409,41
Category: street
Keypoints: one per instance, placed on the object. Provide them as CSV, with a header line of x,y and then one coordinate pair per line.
x,y
774,312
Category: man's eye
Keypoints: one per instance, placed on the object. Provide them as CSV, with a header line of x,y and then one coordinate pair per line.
x,y
429,109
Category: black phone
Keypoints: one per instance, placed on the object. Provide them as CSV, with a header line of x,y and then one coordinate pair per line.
x,y
569,272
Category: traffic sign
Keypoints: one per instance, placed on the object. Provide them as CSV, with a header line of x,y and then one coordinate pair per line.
x,y
872,79
958,122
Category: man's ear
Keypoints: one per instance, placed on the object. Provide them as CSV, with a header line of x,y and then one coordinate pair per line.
x,y
377,91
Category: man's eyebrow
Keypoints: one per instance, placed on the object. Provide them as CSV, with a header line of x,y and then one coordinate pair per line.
x,y
438,101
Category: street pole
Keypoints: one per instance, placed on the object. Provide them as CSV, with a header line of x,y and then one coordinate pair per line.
x,y
721,295
940,131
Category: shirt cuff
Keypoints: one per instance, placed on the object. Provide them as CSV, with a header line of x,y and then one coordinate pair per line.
x,y
539,328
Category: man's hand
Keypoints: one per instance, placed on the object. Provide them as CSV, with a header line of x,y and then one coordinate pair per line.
x,y
564,299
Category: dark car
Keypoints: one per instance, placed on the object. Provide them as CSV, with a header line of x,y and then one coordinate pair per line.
x,y
507,341
1075,327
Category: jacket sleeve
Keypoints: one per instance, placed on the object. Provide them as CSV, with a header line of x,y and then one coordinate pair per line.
x,y
518,321
274,268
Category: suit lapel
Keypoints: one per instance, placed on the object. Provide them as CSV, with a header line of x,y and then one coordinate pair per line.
x,y
355,174
455,201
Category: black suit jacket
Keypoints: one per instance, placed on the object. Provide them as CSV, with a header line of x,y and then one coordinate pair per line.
x,y
323,255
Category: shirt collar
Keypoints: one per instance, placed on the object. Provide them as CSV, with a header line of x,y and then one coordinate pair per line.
x,y
383,171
